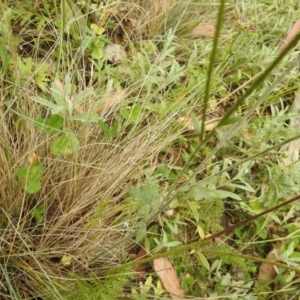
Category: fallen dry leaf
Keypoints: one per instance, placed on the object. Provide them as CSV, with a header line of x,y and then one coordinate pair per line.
x,y
293,32
60,86
267,271
32,158
168,277
111,100
108,101
204,30
141,268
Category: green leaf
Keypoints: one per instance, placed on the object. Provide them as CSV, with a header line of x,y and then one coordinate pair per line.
x,y
31,176
229,121
143,210
203,260
65,144
124,113
89,117
104,128
109,132
147,193
142,231
59,95
225,194
41,209
33,187
172,244
194,210
199,193
38,218
38,214
195,123
44,102
51,125
34,172
22,173
114,129
86,93
134,115
76,20
42,76
97,53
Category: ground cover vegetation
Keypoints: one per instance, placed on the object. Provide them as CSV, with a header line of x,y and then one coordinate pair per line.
x,y
148,150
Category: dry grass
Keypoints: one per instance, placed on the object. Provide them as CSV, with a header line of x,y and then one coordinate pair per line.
x,y
83,193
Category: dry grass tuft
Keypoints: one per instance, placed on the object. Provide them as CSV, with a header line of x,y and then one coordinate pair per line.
x,y
83,196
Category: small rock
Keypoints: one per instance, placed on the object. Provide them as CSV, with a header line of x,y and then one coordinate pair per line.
x,y
114,53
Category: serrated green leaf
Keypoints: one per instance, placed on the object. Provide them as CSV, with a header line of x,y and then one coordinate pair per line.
x,y
143,210
149,193
42,76
134,193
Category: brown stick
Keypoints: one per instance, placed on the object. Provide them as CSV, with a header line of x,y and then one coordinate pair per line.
x,y
293,32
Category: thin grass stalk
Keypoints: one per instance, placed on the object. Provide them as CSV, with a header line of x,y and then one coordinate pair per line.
x,y
211,66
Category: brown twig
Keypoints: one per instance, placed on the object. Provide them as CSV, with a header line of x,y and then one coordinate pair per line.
x,y
293,32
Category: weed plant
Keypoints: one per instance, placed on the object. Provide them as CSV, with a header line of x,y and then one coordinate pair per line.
x,y
101,157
